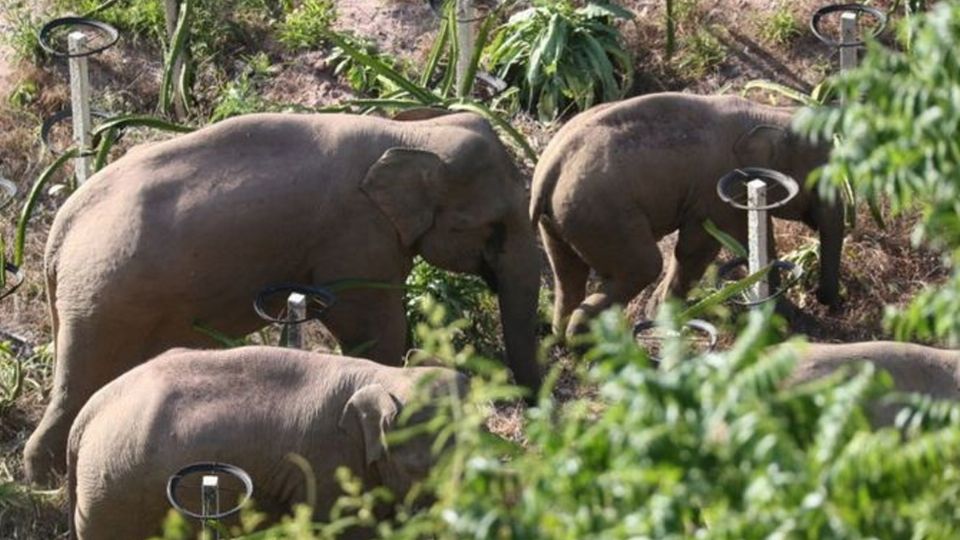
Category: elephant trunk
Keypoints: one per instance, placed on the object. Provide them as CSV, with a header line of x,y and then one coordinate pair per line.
x,y
830,225
517,271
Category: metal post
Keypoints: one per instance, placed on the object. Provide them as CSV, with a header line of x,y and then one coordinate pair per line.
x,y
465,38
80,104
296,311
757,235
210,498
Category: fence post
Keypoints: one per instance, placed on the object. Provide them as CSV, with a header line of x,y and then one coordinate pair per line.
x,y
757,235
210,497
296,311
80,104
848,34
466,40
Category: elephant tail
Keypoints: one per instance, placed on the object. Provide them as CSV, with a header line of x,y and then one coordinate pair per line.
x,y
544,181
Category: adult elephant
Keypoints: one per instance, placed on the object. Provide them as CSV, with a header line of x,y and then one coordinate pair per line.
x,y
191,229
619,177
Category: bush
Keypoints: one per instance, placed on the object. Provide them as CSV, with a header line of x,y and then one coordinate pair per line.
x,y
710,446
562,57
306,26
898,138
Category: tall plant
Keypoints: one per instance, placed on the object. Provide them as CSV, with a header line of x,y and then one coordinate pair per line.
x,y
561,56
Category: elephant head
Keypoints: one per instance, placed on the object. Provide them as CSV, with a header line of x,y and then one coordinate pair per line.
x,y
774,145
373,411
459,202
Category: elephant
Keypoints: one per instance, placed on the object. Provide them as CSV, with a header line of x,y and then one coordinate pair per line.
x,y
619,177
913,368
250,407
189,230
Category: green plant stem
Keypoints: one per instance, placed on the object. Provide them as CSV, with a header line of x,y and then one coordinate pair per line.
x,y
32,199
178,43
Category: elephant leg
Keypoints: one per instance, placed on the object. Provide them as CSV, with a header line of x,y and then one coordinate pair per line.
x,y
90,352
694,251
624,268
570,275
370,324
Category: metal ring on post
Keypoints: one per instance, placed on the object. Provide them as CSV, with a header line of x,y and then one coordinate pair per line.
x,y
745,174
795,271
316,295
818,15
101,27
8,190
697,325
16,279
60,116
209,467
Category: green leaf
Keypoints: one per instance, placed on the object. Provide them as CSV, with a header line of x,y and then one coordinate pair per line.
x,y
730,243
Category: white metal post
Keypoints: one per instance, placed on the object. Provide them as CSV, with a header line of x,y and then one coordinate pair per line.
x,y
757,235
465,38
210,498
80,104
848,34
296,311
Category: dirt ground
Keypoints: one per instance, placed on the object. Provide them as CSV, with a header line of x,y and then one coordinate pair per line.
x,y
880,267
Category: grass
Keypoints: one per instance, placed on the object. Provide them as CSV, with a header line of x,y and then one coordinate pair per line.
x,y
701,52
305,26
780,27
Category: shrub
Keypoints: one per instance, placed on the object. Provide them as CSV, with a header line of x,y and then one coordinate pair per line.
x,y
306,26
898,138
563,57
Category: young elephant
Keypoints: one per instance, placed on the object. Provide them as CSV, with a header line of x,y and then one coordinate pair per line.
x,y
248,407
619,177
913,368
192,229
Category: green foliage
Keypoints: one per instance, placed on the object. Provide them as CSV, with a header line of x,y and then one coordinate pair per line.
x,y
11,375
563,57
701,52
464,298
780,26
899,138
22,34
360,77
708,446
306,26
132,18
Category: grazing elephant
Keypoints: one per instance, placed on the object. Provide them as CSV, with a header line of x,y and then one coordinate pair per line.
x,y
249,407
619,177
191,229
913,368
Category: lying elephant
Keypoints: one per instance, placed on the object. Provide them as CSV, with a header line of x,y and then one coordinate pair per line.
x,y
619,177
249,407
913,368
190,230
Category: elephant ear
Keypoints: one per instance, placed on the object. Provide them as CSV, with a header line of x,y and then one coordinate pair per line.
x,y
373,410
760,146
405,185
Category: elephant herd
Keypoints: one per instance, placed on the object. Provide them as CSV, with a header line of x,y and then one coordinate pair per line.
x,y
189,230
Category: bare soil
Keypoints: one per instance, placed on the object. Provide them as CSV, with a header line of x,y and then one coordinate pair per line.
x,y
880,267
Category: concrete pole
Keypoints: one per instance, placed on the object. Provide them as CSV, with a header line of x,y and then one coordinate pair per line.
x,y
848,34
296,311
80,104
757,235
210,496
